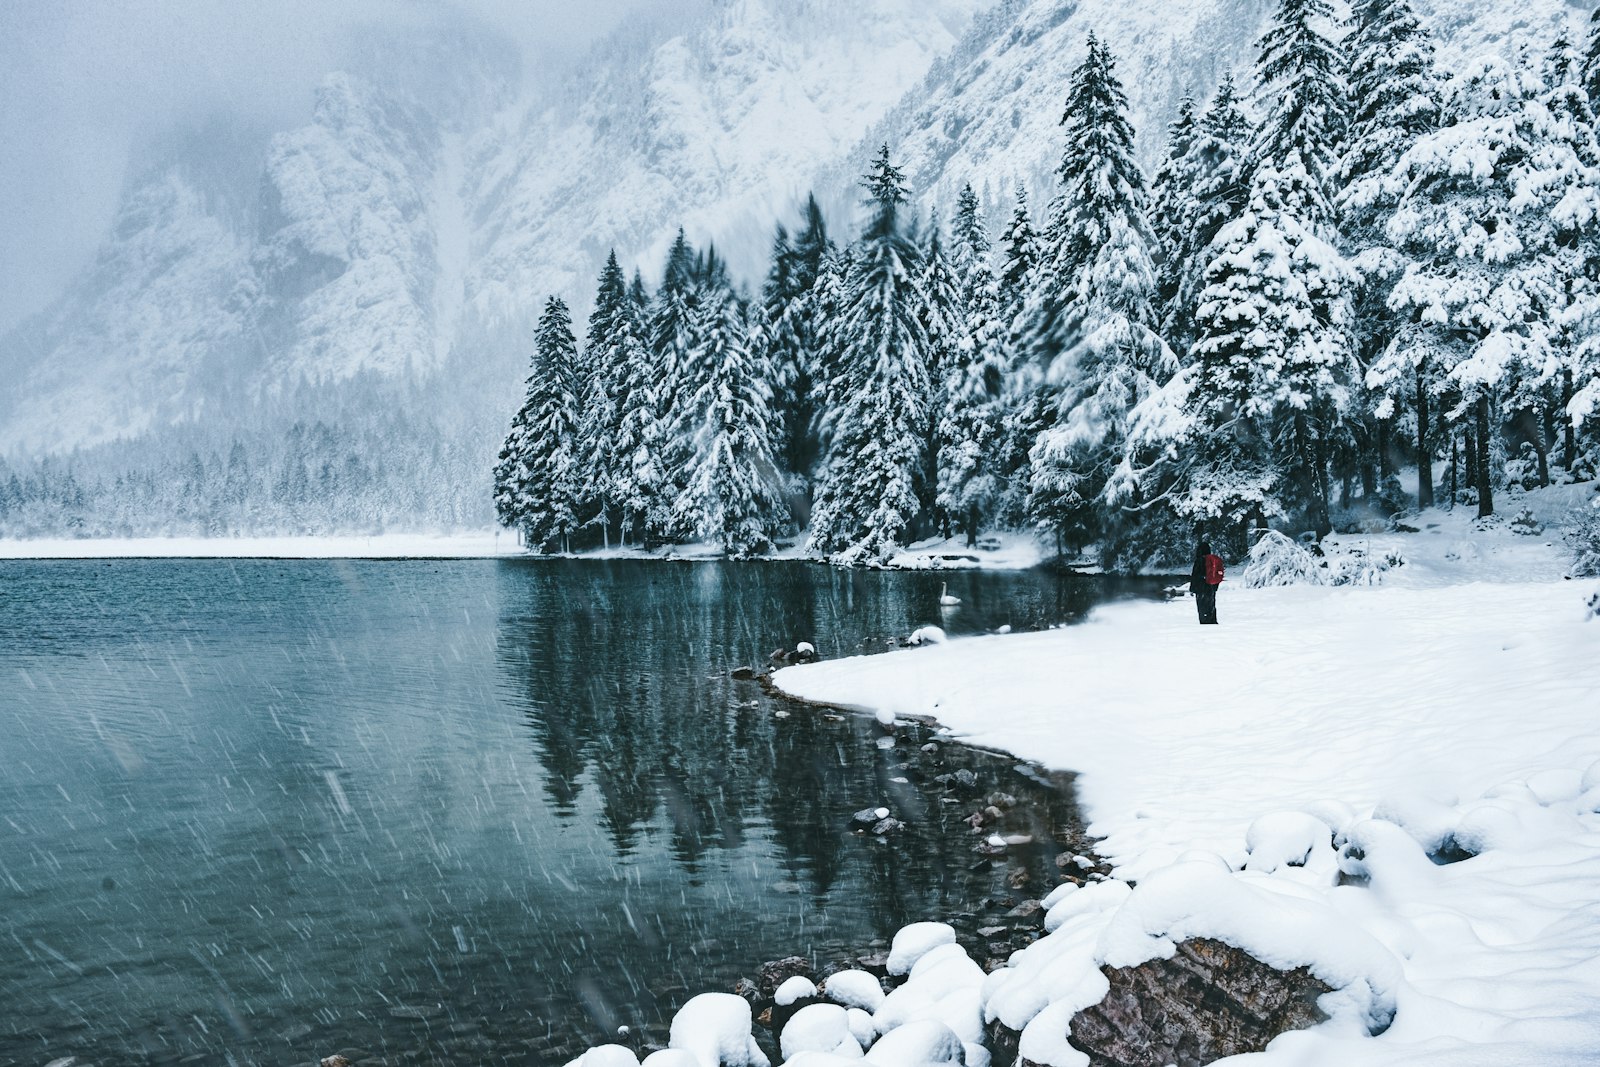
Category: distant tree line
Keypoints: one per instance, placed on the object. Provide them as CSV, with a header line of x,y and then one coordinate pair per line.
x,y
1375,267
359,463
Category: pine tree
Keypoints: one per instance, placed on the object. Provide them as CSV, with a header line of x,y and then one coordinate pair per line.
x,y
969,239
1171,192
1487,307
1547,387
1021,260
1100,178
827,311
1269,366
1394,94
969,407
789,309
943,318
732,490
536,481
672,342
637,479
609,352
1591,61
1296,161
1298,83
1105,354
1024,405
1210,191
784,351
867,503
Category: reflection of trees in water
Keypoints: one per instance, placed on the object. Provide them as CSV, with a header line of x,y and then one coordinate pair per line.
x,y
622,671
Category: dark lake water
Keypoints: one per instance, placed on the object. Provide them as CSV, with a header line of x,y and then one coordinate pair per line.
x,y
458,812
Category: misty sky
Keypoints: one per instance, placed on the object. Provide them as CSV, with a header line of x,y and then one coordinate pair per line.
x,y
84,82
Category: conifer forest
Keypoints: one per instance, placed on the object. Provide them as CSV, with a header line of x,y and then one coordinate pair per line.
x,y
1356,284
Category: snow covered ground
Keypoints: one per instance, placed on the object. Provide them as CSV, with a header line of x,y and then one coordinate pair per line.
x,y
1234,772
379,546
999,551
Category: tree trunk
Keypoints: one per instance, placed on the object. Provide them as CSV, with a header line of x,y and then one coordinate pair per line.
x,y
1568,444
1485,486
1385,461
1425,451
1540,448
1455,483
1319,456
972,526
1469,458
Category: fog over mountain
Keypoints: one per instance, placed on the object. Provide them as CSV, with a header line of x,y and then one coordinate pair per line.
x,y
225,221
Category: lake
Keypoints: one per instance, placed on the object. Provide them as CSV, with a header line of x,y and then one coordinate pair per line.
x,y
258,811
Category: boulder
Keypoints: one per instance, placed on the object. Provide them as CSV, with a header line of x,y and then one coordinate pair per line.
x,y
774,973
1208,1002
867,818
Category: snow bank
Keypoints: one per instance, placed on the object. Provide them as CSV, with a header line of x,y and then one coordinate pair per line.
x,y
1394,786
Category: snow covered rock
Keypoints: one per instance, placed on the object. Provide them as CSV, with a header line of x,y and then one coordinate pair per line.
x,y
774,973
867,818
715,1027
919,1044
1291,839
913,942
797,988
820,1028
862,1028
854,989
671,1057
943,985
822,1059
606,1056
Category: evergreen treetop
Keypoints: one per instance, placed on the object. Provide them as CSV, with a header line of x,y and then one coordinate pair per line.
x,y
1301,93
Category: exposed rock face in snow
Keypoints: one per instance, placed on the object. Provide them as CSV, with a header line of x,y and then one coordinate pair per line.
x,y
1208,1001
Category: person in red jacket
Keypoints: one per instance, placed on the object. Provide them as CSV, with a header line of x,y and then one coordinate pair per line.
x,y
1203,582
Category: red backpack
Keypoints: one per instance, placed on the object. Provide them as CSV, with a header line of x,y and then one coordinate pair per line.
x,y
1213,569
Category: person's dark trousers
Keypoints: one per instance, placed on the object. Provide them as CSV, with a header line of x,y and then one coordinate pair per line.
x,y
1205,602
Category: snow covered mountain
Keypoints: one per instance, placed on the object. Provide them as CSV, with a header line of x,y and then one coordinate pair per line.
x,y
988,113
397,247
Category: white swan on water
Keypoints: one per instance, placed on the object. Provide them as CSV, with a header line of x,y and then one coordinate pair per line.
x,y
945,599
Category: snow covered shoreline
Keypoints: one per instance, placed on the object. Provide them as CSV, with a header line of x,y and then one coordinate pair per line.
x,y
1282,781
485,544
1014,552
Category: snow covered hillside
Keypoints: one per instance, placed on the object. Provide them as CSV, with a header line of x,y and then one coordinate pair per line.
x,y
989,112
395,249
